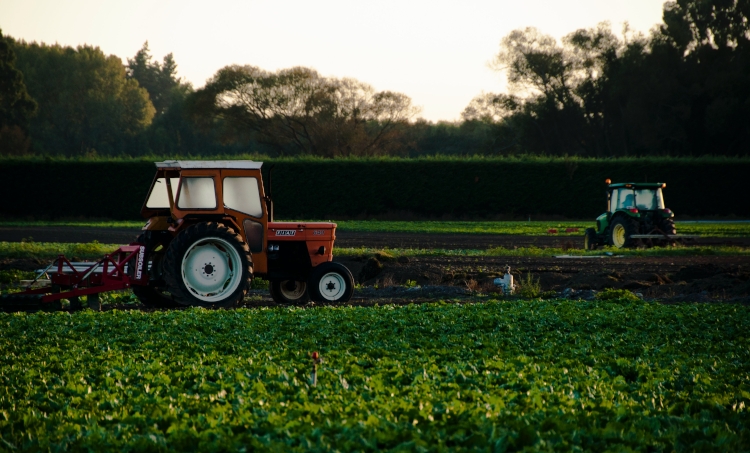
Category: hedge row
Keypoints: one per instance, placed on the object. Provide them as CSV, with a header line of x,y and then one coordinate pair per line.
x,y
331,189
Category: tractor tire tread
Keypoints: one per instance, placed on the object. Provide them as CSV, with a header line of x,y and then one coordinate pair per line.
x,y
274,287
150,296
590,239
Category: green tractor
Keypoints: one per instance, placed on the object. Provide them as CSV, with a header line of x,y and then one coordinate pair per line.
x,y
635,216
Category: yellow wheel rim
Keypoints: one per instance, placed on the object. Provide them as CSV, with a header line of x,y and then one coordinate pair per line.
x,y
618,236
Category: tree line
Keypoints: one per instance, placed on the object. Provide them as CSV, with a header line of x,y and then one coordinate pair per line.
x,y
681,90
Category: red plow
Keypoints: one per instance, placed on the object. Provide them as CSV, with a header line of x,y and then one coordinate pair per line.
x,y
67,280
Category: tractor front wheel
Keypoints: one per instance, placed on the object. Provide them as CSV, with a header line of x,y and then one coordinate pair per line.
x,y
620,232
289,292
208,265
589,239
331,282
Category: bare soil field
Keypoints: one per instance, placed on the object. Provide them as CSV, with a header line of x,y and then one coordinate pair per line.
x,y
676,278
687,278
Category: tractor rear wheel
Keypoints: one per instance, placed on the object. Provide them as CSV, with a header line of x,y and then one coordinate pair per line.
x,y
289,292
667,227
150,295
589,239
208,265
621,230
330,282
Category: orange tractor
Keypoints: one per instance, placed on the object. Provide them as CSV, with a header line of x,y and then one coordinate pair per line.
x,y
209,232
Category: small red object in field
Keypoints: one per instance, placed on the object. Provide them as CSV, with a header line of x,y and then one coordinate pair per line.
x,y
571,230
552,231
314,376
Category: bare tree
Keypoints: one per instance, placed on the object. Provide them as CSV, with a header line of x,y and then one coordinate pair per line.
x,y
297,111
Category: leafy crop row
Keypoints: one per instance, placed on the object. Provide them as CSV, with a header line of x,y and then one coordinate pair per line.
x,y
500,375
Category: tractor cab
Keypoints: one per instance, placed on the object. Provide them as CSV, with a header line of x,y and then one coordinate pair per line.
x,y
634,198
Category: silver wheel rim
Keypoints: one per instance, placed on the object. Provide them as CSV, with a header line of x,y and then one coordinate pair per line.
x,y
292,292
332,286
211,269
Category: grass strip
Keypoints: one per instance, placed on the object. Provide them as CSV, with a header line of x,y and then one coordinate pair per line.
x,y
95,250
549,252
137,224
50,250
501,375
533,228
517,228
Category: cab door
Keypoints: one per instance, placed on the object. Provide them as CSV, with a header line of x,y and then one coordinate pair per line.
x,y
244,199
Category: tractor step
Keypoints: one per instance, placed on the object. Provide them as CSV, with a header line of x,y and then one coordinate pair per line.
x,y
27,302
663,236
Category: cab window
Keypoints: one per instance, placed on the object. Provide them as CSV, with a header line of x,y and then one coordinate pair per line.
x,y
159,197
242,194
197,193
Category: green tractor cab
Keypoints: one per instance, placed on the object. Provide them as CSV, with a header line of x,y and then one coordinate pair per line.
x,y
635,216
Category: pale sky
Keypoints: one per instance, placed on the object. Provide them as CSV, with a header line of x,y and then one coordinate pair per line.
x,y
435,52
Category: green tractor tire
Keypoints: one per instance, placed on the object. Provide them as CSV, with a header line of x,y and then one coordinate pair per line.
x,y
620,233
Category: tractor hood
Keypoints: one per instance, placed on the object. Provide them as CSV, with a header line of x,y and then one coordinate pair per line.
x,y
301,230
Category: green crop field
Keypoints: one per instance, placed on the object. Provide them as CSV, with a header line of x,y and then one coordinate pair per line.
x,y
490,376
532,228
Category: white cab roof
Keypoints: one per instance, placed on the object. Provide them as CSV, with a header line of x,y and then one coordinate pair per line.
x,y
188,164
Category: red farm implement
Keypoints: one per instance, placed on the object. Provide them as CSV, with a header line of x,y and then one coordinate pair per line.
x,y
67,280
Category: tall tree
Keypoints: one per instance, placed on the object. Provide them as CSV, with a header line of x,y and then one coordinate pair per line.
x,y
16,106
683,90
713,40
297,111
543,77
86,103
159,79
